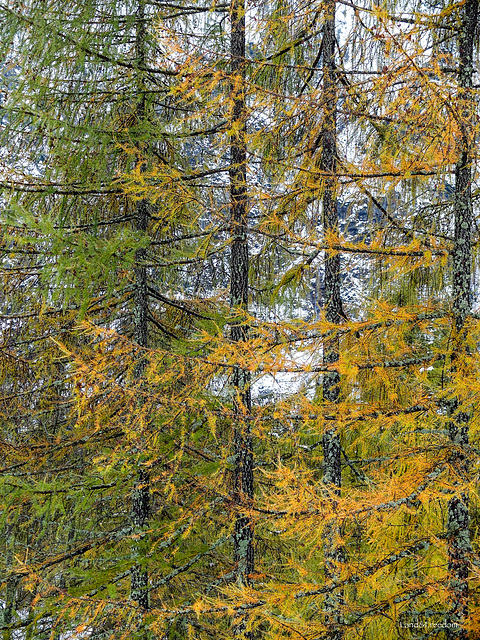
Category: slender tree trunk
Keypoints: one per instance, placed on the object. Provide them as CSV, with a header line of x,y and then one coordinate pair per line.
x,y
141,492
11,583
243,454
332,474
459,545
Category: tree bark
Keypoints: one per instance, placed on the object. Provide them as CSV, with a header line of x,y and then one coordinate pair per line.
x,y
239,290
11,584
459,545
332,475
141,491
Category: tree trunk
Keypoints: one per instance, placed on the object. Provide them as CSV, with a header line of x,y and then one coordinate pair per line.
x,y
11,584
239,266
332,475
141,492
459,545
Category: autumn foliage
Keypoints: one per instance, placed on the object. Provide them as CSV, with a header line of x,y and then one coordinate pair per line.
x,y
236,239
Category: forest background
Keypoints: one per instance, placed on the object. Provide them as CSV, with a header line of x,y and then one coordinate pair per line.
x,y
239,346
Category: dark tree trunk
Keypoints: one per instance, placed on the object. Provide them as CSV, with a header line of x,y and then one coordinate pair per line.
x,y
141,491
332,474
243,454
459,545
333,303
11,584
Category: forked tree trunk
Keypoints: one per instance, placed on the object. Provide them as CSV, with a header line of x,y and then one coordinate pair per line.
x,y
459,545
239,266
332,474
141,491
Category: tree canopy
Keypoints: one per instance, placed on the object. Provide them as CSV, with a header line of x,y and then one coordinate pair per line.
x,y
239,346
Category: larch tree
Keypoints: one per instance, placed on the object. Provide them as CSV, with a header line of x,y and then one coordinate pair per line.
x,y
158,265
79,105
458,522
332,456
239,295
141,492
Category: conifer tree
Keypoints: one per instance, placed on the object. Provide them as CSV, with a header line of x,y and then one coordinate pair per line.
x,y
141,493
239,292
150,294
459,544
243,492
78,121
332,468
